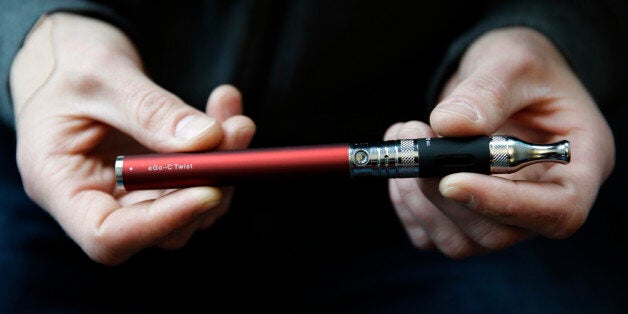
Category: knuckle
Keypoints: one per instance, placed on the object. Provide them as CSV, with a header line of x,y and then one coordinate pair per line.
x,y
560,221
409,195
523,56
566,222
101,249
528,61
457,250
519,54
174,244
503,209
152,107
490,89
104,252
495,237
88,77
454,246
405,189
83,82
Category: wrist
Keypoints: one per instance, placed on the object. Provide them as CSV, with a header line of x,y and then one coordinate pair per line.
x,y
33,63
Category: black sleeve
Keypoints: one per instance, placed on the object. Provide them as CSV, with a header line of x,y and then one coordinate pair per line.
x,y
589,34
16,19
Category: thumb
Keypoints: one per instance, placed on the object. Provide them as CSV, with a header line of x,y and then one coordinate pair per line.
x,y
499,75
160,120
477,105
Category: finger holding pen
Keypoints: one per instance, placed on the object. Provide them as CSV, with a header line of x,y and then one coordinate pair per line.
x,y
514,81
81,96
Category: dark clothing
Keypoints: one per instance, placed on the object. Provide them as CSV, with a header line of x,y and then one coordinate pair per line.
x,y
318,72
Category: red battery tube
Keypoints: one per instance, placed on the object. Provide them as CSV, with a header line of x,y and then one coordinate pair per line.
x,y
157,171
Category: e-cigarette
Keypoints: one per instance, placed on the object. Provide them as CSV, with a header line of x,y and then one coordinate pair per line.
x,y
404,158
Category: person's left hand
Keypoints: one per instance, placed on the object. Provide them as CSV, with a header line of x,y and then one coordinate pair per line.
x,y
511,81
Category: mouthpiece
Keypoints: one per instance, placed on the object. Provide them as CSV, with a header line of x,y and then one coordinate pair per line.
x,y
405,158
509,154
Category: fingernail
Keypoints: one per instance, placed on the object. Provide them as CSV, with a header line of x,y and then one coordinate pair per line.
x,y
208,197
460,109
192,126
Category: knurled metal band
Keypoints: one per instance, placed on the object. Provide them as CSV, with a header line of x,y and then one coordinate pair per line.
x,y
408,159
500,156
407,153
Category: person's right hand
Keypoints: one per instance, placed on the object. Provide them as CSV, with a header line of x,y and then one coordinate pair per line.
x,y
81,98
510,81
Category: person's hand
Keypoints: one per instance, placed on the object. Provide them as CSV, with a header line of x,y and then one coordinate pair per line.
x,y
511,81
81,98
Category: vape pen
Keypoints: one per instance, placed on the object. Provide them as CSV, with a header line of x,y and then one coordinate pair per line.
x,y
405,158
